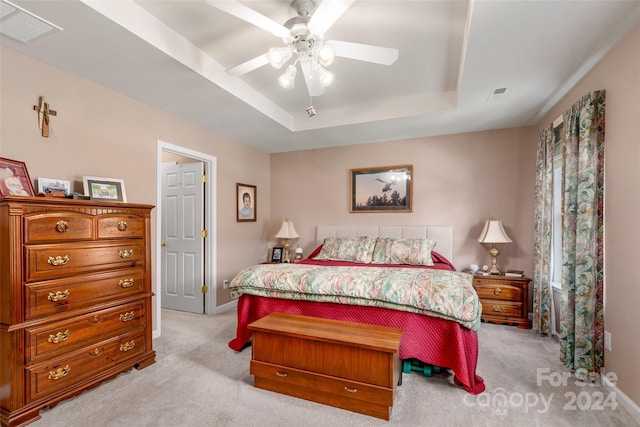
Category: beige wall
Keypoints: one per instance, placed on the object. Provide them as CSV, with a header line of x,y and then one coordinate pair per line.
x,y
619,74
102,133
459,180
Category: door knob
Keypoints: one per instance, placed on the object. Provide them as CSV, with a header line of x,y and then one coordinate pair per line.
x,y
163,243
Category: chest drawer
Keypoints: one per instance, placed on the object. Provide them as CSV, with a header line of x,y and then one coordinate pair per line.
x,y
56,338
57,296
51,261
120,226
46,378
500,292
57,227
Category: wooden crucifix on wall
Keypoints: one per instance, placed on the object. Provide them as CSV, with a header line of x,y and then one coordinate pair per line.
x,y
43,116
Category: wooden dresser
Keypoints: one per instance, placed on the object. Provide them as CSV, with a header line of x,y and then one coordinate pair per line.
x,y
75,299
347,365
505,300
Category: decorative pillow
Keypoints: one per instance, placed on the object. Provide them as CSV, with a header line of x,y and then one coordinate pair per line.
x,y
351,249
403,251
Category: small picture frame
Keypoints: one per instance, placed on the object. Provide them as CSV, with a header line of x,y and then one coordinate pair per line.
x,y
381,189
276,254
105,189
14,178
246,202
54,187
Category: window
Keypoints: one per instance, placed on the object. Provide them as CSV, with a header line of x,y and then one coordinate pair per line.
x,y
556,228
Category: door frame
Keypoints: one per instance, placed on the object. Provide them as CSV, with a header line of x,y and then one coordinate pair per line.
x,y
210,168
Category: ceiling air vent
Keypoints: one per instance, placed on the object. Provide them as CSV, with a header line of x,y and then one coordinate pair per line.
x,y
498,94
22,25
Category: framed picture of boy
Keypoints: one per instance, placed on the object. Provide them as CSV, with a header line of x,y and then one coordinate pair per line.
x,y
246,203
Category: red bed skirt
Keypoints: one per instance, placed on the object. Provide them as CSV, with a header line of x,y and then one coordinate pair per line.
x,y
432,340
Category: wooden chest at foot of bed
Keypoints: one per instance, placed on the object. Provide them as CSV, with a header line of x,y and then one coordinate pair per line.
x,y
348,365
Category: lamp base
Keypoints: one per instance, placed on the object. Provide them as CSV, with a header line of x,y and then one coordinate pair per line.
x,y
285,257
494,252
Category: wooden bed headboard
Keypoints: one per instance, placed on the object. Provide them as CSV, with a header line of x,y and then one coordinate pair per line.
x,y
441,234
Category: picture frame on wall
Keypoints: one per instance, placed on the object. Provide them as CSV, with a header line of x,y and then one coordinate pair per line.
x,y
381,189
276,254
14,178
246,202
54,187
105,189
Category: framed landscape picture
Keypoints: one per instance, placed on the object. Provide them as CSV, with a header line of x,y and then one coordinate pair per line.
x,y
381,189
106,189
14,179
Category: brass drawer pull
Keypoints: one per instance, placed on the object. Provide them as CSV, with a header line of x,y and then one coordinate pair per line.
x,y
58,296
126,283
62,226
59,373
282,374
59,260
122,226
125,317
126,253
59,337
497,291
127,346
351,390
497,308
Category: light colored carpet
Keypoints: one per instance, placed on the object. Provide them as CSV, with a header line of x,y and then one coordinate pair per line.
x,y
198,381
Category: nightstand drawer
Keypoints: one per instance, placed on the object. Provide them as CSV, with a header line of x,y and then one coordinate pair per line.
x,y
499,308
500,292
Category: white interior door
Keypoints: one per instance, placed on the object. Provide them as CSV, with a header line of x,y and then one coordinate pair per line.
x,y
182,240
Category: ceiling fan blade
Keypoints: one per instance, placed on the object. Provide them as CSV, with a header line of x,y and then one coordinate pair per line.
x,y
327,14
248,66
245,13
364,52
313,85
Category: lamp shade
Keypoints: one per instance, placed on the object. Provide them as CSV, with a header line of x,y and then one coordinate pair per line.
x,y
493,232
287,231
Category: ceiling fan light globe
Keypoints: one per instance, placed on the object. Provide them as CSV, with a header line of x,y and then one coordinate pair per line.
x,y
326,55
288,78
278,56
324,77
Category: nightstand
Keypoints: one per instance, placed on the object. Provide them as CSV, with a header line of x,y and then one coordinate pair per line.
x,y
505,300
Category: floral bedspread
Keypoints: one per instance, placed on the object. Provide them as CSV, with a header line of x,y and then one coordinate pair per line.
x,y
446,294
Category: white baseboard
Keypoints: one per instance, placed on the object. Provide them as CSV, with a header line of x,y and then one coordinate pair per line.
x,y
225,307
624,400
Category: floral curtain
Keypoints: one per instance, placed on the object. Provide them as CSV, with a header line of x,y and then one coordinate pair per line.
x,y
581,312
542,234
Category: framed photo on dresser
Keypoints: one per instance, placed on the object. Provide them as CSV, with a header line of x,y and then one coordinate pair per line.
x,y
14,179
105,189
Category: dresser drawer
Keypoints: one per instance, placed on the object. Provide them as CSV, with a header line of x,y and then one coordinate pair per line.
x,y
44,379
118,226
500,308
57,227
499,292
51,261
55,338
57,296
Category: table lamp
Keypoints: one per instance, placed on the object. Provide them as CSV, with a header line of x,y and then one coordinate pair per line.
x,y
493,233
287,231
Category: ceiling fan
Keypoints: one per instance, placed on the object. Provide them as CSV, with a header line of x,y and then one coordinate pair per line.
x,y
303,38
